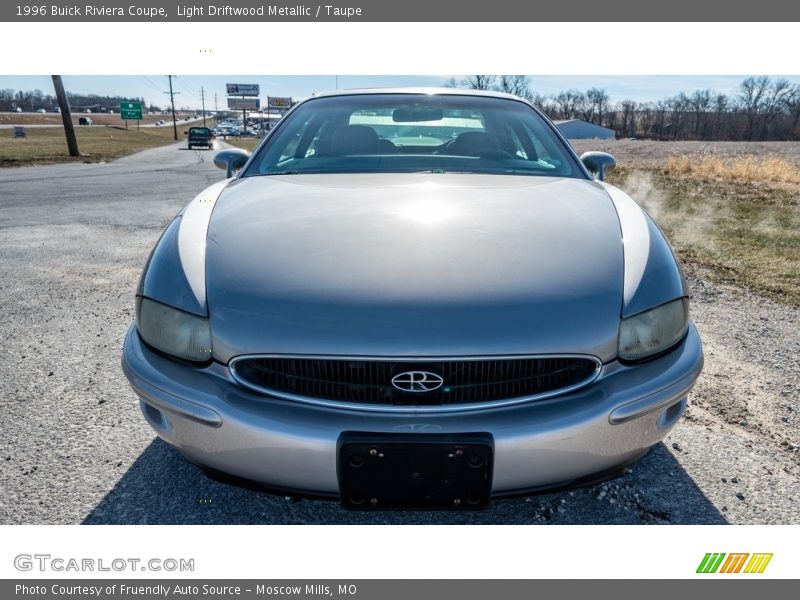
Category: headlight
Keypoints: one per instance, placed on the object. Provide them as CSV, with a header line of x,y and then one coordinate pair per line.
x,y
653,331
173,331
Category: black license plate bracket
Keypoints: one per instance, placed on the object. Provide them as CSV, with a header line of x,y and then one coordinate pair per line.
x,y
390,471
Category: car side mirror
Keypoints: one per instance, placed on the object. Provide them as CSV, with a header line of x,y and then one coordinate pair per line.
x,y
231,160
598,162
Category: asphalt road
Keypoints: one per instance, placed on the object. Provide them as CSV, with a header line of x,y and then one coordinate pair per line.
x,y
74,449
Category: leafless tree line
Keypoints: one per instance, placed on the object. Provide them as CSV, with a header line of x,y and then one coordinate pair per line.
x,y
32,100
763,108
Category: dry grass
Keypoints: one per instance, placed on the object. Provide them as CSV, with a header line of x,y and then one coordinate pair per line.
x,y
248,144
48,144
750,169
744,227
54,119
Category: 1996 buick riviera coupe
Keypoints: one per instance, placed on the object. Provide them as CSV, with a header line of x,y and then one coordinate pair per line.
x,y
412,299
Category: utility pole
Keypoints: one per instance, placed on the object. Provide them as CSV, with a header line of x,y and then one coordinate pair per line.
x,y
66,116
172,101
216,110
203,100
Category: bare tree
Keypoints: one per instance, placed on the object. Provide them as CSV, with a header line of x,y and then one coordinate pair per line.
x,y
751,98
519,85
678,107
628,116
569,103
479,82
778,94
645,119
700,104
660,111
793,112
721,125
597,99
545,103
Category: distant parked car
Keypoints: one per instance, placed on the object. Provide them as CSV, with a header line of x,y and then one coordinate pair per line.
x,y
42,111
16,109
84,121
226,131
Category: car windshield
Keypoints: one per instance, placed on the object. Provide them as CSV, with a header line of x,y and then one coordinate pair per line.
x,y
411,133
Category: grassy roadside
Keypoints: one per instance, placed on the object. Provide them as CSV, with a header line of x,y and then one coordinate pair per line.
x,y
54,119
248,144
48,145
739,218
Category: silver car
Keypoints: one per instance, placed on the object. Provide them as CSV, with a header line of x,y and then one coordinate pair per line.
x,y
412,299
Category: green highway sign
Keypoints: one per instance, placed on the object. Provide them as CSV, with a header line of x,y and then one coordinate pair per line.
x,y
130,111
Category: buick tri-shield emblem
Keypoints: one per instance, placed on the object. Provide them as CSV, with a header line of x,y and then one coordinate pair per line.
x,y
417,381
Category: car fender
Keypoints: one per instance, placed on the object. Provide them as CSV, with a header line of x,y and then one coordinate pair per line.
x,y
652,273
175,272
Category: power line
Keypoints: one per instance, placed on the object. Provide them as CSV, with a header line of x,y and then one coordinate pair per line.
x,y
187,93
149,82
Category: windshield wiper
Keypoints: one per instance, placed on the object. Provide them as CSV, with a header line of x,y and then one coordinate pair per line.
x,y
282,173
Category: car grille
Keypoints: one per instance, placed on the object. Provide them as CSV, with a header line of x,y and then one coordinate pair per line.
x,y
370,381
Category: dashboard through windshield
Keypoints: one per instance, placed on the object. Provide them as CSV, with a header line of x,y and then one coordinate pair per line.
x,y
412,133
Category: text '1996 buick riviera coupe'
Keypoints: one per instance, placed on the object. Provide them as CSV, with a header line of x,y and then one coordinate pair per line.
x,y
412,299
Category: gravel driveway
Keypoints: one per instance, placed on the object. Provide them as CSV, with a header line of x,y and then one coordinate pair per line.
x,y
74,449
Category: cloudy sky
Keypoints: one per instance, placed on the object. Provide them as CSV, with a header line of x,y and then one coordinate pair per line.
x,y
152,87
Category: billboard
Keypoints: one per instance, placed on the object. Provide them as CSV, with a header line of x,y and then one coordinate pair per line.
x,y
244,104
242,89
278,102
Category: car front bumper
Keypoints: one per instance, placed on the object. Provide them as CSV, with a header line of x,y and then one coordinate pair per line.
x,y
291,445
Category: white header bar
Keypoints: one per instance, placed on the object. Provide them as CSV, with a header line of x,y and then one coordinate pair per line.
x,y
380,49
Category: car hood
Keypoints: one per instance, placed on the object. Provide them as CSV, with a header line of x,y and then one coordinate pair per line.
x,y
414,265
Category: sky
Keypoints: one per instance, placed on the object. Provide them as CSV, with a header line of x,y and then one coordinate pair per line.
x,y
152,87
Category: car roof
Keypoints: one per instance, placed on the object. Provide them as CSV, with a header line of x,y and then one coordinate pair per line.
x,y
418,90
